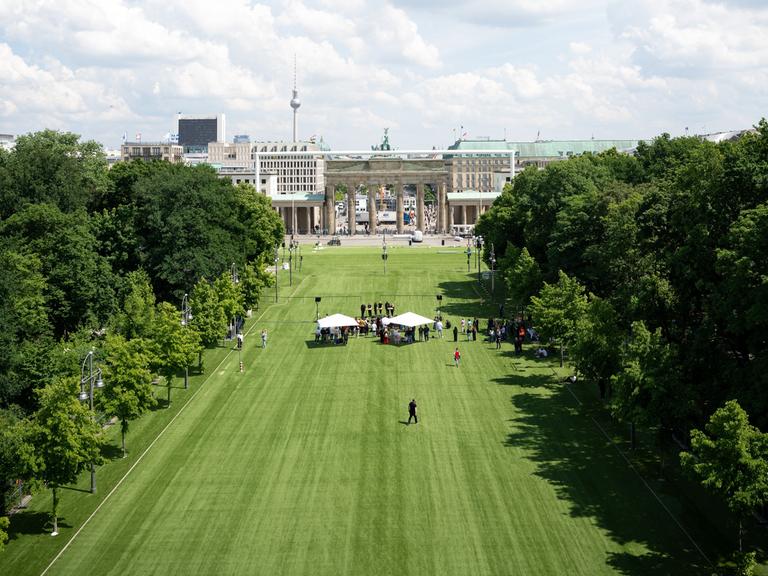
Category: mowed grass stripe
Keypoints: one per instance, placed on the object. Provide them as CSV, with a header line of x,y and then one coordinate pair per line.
x,y
301,465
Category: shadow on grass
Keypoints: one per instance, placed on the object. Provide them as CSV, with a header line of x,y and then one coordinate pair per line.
x,y
30,523
111,452
588,473
75,489
311,344
456,294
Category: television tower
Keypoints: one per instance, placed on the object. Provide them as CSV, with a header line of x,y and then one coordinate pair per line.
x,y
295,102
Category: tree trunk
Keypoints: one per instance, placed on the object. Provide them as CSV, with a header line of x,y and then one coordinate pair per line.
x,y
168,384
55,510
200,361
632,435
740,535
562,354
123,432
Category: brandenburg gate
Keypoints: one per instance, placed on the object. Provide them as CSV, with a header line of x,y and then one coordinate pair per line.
x,y
376,173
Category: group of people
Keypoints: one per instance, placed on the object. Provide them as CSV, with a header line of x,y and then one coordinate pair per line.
x,y
377,309
469,327
334,335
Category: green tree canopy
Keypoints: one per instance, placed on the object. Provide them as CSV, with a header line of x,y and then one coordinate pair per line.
x,y
558,309
730,457
51,167
128,381
65,437
175,346
208,317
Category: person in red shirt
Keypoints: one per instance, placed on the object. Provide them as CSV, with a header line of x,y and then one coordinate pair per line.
x,y
456,357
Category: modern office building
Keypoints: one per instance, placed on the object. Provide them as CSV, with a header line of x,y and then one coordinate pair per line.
x,y
196,132
151,151
296,173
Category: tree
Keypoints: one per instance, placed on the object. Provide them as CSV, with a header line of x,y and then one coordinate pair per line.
x,y
4,523
138,310
17,460
188,221
208,317
65,436
175,346
557,310
229,296
253,279
262,226
128,381
51,167
647,388
24,327
78,281
595,350
522,275
730,458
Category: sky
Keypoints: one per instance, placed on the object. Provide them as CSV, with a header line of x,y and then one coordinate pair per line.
x,y
430,70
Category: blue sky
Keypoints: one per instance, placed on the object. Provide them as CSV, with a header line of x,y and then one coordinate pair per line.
x,y
423,69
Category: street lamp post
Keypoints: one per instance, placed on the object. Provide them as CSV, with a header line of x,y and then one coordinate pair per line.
x,y
90,379
469,254
277,254
493,264
477,254
186,316
235,280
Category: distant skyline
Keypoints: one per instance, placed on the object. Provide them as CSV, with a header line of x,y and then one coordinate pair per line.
x,y
428,70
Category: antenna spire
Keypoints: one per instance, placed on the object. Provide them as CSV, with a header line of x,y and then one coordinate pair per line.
x,y
295,102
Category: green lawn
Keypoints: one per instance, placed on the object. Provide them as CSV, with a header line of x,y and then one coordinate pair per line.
x,y
303,464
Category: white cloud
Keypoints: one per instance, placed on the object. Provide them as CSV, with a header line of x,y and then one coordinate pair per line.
x,y
101,67
396,31
579,47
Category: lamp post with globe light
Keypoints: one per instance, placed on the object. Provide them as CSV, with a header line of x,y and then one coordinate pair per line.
x,y
90,379
493,264
186,317
277,258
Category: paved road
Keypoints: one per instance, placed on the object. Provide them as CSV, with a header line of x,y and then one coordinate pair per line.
x,y
376,240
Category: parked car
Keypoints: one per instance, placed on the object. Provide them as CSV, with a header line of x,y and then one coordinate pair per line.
x,y
417,236
335,241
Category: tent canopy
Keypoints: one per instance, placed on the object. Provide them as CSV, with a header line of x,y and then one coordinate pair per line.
x,y
410,319
336,321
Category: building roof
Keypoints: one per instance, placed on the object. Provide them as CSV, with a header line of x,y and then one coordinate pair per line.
x,y
546,148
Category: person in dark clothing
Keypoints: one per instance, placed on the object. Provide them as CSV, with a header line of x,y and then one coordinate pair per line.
x,y
369,311
362,310
455,334
498,339
412,411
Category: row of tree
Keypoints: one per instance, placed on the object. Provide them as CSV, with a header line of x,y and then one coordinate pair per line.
x,y
98,260
649,269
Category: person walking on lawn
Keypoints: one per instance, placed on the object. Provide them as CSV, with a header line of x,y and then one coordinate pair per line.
x,y
456,357
412,411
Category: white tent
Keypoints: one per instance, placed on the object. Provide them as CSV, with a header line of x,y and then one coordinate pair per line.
x,y
336,321
410,319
